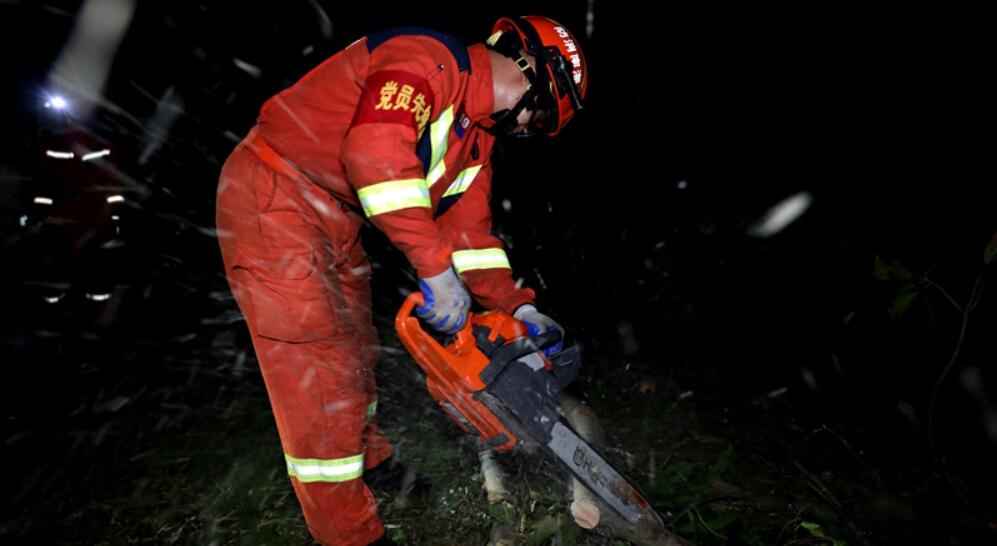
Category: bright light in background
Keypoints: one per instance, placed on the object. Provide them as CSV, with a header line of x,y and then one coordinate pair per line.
x,y
84,63
43,201
57,103
781,215
98,297
59,155
116,199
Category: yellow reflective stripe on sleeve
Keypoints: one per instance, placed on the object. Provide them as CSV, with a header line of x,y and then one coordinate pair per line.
x,y
486,258
463,181
371,410
439,132
325,470
394,195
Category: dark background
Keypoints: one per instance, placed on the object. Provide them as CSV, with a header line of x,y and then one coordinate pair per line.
x,y
635,218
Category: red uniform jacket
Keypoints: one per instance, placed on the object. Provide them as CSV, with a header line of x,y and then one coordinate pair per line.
x,y
390,125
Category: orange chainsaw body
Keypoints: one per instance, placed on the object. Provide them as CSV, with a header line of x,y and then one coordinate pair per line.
x,y
453,370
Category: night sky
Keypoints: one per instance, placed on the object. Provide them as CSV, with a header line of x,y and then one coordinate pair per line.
x,y
637,223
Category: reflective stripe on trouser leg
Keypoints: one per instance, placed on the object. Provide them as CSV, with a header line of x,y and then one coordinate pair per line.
x,y
325,470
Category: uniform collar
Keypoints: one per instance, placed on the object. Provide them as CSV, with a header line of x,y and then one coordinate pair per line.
x,y
480,97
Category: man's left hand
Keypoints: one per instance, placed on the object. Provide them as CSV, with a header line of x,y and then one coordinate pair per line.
x,y
538,323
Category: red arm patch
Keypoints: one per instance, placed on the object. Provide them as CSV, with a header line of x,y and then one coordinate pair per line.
x,y
395,96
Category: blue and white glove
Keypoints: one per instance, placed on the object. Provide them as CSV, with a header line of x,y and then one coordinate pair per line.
x,y
537,323
446,302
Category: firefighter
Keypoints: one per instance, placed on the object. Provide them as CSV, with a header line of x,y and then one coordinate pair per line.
x,y
397,129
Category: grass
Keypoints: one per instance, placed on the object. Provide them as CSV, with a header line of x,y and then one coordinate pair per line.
x,y
187,453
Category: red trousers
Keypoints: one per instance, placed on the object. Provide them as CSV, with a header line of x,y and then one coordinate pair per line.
x,y
300,276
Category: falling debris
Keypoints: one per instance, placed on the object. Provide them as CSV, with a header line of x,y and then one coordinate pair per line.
x,y
781,215
324,22
157,130
590,19
628,340
250,69
778,392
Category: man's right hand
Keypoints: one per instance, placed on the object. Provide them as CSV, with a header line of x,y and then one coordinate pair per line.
x,y
446,301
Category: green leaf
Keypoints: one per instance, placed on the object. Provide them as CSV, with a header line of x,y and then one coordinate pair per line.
x,y
720,465
905,297
570,532
880,269
885,269
502,512
814,529
542,529
990,253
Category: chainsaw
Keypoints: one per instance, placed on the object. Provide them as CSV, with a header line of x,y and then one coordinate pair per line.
x,y
494,381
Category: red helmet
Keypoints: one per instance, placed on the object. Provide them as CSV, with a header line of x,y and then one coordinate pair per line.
x,y
561,72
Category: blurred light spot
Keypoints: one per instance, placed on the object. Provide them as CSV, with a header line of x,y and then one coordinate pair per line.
x,y
252,70
54,299
43,201
781,215
308,50
683,184
116,199
590,19
98,297
96,155
627,339
57,102
59,155
809,378
23,220
907,410
506,205
324,22
114,404
991,423
972,381
115,217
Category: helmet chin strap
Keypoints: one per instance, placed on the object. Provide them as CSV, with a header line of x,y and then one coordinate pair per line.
x,y
504,121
